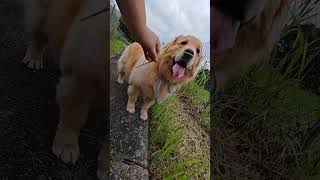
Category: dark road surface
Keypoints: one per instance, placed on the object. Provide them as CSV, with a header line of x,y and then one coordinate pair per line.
x,y
128,133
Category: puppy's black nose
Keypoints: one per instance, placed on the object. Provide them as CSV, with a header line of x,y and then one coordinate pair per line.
x,y
186,57
188,53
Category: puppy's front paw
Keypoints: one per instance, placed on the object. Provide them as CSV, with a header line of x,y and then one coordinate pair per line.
x,y
120,81
144,115
65,146
130,109
33,61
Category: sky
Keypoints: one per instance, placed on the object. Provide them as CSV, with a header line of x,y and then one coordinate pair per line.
x,y
169,18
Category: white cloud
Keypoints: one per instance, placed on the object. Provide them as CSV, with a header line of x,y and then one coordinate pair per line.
x,y
170,18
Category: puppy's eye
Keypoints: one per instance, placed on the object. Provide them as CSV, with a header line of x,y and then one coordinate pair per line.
x,y
184,42
198,50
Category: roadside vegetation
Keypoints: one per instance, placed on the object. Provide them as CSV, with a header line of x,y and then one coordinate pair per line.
x,y
117,38
179,142
267,125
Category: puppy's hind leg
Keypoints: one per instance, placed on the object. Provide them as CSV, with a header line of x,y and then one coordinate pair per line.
x,y
36,12
147,103
121,77
133,93
74,98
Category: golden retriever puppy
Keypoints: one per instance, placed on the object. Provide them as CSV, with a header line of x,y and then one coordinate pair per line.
x,y
80,47
178,64
242,34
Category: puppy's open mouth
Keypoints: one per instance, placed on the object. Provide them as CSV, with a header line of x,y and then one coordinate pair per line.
x,y
177,70
224,31
225,27
179,66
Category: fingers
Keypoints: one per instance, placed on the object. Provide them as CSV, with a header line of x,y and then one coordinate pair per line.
x,y
151,45
158,46
146,54
153,54
155,50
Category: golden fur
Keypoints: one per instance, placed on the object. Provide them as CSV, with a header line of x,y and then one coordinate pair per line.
x,y
155,80
80,49
254,42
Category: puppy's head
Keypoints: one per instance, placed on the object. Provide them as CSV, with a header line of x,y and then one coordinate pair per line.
x,y
180,59
228,16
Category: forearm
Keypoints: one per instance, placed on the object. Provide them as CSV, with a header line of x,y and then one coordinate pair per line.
x,y
133,13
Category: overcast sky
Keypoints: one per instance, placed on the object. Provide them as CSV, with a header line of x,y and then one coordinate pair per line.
x,y
169,18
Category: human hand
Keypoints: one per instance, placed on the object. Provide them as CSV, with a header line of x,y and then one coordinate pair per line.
x,y
134,14
149,42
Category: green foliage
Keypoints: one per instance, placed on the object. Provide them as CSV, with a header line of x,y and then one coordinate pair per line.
x,y
114,25
169,126
184,169
296,52
261,125
117,46
165,132
117,39
265,116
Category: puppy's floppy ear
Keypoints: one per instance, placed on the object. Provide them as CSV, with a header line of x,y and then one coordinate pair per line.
x,y
170,43
200,58
196,68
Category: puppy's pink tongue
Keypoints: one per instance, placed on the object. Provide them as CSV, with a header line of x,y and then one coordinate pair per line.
x,y
178,71
224,30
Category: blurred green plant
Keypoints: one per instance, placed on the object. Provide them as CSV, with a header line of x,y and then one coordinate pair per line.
x,y
265,120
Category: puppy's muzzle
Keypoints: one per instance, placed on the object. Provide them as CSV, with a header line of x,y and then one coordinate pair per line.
x,y
186,57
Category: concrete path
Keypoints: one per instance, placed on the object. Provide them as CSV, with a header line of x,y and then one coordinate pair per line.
x,y
129,134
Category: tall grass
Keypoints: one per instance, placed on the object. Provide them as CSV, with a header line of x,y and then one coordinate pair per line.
x,y
296,52
302,11
179,134
264,123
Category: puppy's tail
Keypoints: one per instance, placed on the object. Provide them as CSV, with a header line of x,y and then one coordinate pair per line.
x,y
123,59
128,60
